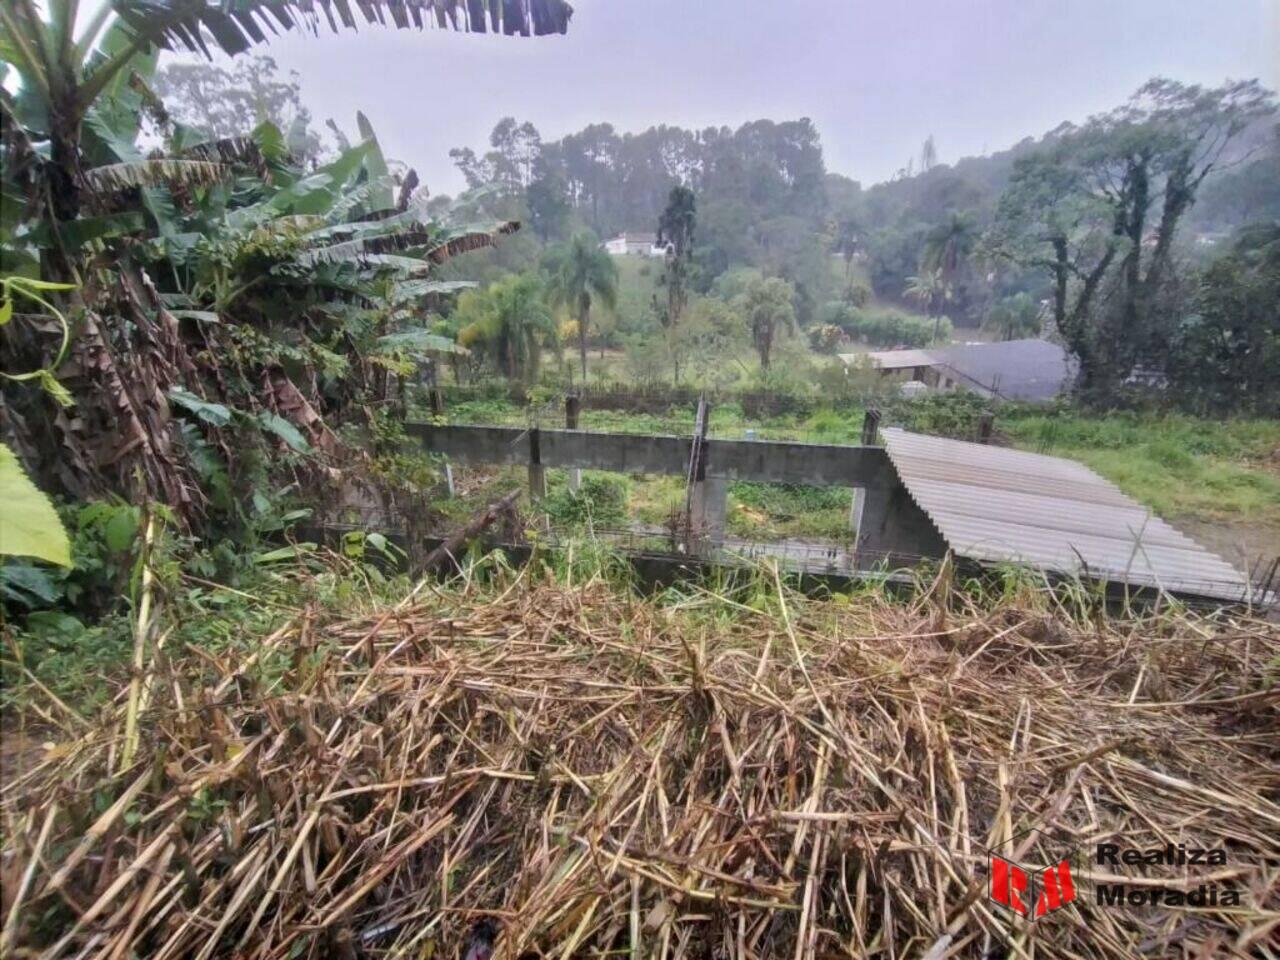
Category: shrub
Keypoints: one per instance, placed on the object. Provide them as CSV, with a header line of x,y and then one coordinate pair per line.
x,y
600,501
883,327
826,338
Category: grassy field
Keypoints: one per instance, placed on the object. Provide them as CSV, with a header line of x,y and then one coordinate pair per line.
x,y
1177,465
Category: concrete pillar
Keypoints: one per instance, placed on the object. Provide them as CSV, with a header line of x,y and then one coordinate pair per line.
x,y
537,472
709,507
857,508
986,423
572,404
450,489
873,507
870,426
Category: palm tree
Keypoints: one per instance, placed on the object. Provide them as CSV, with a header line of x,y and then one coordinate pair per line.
x,y
949,244
577,273
848,240
512,319
931,290
769,308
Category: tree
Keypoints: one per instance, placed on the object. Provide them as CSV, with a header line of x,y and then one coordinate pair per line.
x,y
229,103
847,243
930,289
928,154
579,273
1098,212
510,163
548,203
768,305
512,320
1225,357
948,245
1014,317
222,225
675,230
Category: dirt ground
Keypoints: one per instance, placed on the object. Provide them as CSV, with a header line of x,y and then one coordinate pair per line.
x,y
1250,547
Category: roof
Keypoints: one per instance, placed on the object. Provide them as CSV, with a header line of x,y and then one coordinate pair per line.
x,y
630,237
898,359
993,504
1010,369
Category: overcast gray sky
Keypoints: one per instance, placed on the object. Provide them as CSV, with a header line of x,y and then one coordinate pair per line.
x,y
876,77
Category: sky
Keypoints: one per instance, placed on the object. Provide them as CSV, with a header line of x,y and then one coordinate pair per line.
x,y
876,78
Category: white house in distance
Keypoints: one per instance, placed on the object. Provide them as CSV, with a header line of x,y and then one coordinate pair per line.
x,y
637,244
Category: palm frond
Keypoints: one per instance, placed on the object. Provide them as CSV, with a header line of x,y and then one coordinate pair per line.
x,y
403,232
114,177
465,239
290,225
401,266
237,151
414,289
233,26
418,341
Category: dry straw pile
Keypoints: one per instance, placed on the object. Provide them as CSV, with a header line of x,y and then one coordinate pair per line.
x,y
572,772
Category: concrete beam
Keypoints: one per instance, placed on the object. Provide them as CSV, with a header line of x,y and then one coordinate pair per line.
x,y
764,461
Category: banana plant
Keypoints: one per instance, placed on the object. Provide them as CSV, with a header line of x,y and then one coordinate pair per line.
x,y
82,81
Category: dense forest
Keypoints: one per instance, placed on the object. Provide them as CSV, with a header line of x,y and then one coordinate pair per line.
x,y
1174,177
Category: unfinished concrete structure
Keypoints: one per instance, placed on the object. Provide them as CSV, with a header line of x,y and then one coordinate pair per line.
x,y
916,497
889,523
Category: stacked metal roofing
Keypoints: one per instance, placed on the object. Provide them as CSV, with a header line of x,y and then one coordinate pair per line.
x,y
994,504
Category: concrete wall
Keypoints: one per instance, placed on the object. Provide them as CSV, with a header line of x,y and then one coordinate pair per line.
x,y
764,461
890,524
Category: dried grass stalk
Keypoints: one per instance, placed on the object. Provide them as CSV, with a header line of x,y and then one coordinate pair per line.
x,y
599,776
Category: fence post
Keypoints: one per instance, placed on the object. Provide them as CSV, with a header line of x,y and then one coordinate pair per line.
x,y
706,497
857,505
537,473
572,404
985,424
870,426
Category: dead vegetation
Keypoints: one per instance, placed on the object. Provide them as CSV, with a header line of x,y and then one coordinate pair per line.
x,y
588,774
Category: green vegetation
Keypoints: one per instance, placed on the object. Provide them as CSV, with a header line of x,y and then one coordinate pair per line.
x,y
579,274
783,511
1097,215
599,502
1179,466
882,326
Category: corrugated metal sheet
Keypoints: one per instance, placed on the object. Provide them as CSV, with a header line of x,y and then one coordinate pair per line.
x,y
994,504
